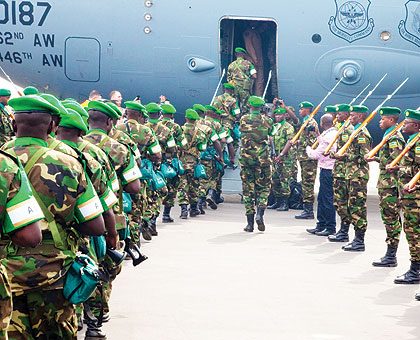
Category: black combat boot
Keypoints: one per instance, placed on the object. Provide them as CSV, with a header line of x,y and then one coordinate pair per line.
x,y
194,210
94,332
166,217
307,213
259,219
358,244
283,203
201,200
250,226
152,225
184,212
219,198
276,203
412,276
389,260
212,199
342,235
145,231
417,296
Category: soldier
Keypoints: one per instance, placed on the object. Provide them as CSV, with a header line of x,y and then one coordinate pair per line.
x,y
30,90
190,156
281,143
168,111
19,217
388,185
410,198
308,166
357,177
255,162
340,184
241,73
59,181
6,131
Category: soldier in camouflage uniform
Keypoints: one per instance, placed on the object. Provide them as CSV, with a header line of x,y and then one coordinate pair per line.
x,y
190,156
308,166
168,111
410,198
357,177
40,309
388,185
6,130
255,162
281,142
242,73
18,225
340,184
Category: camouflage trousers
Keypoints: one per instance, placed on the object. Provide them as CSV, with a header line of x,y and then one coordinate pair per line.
x,y
390,213
210,181
280,183
256,183
154,199
293,171
357,203
42,315
135,217
219,178
308,172
5,303
243,96
172,185
189,188
341,199
411,212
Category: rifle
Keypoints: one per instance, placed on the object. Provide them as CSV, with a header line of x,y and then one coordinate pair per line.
x,y
266,86
367,120
407,148
218,85
11,82
373,90
313,113
414,180
129,244
386,138
274,154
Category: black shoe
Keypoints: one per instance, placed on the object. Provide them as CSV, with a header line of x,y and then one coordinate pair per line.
x,y
389,260
250,226
212,199
325,232
275,205
94,333
417,296
342,235
358,244
219,199
152,225
193,210
314,230
201,200
412,276
259,219
283,204
145,231
166,216
184,212
307,213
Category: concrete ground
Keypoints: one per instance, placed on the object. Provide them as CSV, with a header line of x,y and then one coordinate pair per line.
x,y
207,279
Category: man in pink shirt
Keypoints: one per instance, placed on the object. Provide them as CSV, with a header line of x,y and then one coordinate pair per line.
x,y
326,210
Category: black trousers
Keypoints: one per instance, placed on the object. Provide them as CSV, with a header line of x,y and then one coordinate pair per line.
x,y
326,210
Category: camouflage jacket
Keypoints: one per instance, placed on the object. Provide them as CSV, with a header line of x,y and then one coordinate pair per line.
x,y
409,166
61,184
196,143
163,134
126,140
230,109
283,133
240,72
6,130
146,141
307,138
387,154
339,169
357,167
255,150
209,131
176,131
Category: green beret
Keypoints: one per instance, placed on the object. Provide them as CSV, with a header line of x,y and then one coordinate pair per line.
x,y
240,50
71,104
359,108
211,108
344,108
53,100
229,86
32,104
413,114
168,109
256,101
30,90
331,109
389,111
5,93
115,107
104,108
280,110
199,107
73,120
134,105
306,104
153,108
192,114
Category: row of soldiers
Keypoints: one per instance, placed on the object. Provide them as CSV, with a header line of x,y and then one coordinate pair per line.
x,y
76,180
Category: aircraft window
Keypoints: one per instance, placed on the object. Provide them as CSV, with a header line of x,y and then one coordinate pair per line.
x,y
316,38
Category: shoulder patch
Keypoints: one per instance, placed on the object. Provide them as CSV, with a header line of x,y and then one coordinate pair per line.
x,y
417,150
361,140
345,138
393,145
